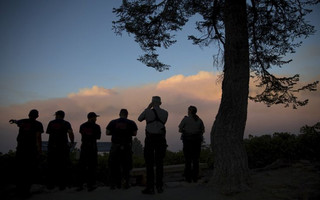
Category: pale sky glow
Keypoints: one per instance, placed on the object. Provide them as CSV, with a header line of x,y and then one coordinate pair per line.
x,y
63,55
94,91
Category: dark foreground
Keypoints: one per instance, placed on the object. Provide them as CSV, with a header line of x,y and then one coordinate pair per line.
x,y
296,181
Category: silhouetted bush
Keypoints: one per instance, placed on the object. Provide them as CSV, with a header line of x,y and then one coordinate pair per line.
x,y
7,168
266,149
138,161
261,150
309,142
206,156
173,158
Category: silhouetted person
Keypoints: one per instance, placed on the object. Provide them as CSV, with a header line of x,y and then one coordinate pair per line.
x,y
192,130
59,150
90,133
120,157
155,143
28,151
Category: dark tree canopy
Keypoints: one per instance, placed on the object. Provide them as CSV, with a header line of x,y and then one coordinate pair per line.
x,y
274,28
252,36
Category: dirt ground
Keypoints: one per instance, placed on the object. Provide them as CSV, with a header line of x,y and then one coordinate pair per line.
x,y
299,181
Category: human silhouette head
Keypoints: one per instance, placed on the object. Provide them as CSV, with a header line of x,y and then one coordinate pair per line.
x,y
123,113
60,114
33,114
92,117
156,100
192,110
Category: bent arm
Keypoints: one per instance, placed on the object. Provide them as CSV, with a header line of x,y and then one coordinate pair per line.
x,y
142,116
181,125
202,127
71,135
134,133
99,133
39,142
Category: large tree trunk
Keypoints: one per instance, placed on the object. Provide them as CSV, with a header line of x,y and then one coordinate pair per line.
x,y
231,171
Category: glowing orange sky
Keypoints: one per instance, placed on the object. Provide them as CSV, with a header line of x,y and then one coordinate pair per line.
x,y
177,92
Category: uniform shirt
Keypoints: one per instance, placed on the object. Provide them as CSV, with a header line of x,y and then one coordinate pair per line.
x,y
190,126
28,129
122,130
58,132
90,133
154,126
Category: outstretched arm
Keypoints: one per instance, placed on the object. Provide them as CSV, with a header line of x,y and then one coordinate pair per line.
x,y
13,121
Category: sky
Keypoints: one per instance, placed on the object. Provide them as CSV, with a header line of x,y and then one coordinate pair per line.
x,y
64,55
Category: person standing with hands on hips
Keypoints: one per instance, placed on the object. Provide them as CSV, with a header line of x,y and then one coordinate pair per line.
x,y
90,133
155,143
59,150
120,156
192,130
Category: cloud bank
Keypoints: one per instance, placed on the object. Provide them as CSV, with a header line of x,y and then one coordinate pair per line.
x,y
178,92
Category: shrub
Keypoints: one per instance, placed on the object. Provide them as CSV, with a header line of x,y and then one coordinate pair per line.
x,y
264,150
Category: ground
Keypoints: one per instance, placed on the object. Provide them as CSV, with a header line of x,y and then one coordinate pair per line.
x,y
298,181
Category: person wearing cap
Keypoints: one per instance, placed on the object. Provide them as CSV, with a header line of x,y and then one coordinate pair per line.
x,y
58,150
191,128
90,133
28,151
121,131
155,143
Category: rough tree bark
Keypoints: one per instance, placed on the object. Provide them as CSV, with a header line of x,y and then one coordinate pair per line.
x,y
231,171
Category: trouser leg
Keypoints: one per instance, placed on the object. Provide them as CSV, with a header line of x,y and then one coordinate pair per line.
x,y
159,156
155,150
195,160
114,166
127,165
26,171
187,151
149,159
92,171
81,170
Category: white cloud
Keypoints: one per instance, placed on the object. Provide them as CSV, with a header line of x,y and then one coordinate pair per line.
x,y
94,91
177,93
203,85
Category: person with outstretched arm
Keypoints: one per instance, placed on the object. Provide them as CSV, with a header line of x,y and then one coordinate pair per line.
x,y
28,151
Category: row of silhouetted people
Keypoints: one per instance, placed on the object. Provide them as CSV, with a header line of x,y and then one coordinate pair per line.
x,y
121,131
